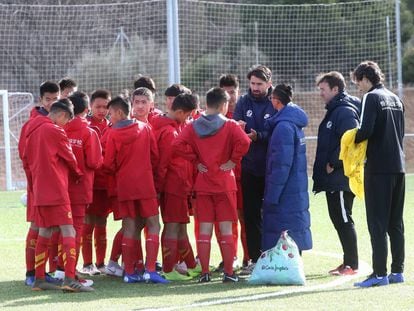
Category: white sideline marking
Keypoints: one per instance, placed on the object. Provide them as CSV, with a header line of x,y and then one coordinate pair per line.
x,y
364,269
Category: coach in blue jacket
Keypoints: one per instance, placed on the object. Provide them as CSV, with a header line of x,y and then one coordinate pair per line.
x,y
286,198
252,110
342,114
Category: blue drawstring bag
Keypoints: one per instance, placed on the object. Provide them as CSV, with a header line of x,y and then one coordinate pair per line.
x,y
280,265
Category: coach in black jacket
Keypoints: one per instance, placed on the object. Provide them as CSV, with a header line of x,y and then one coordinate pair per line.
x,y
328,174
382,123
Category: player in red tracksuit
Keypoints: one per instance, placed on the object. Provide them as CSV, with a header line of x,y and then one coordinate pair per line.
x,y
131,154
49,93
50,159
215,144
149,84
97,212
174,185
88,152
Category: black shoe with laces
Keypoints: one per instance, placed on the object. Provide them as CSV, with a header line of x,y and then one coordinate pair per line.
x,y
220,267
204,278
233,278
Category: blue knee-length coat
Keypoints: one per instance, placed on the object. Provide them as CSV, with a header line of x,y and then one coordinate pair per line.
x,y
286,198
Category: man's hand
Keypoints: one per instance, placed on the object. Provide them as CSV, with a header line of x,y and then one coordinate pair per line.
x,y
228,166
202,168
329,168
242,124
252,135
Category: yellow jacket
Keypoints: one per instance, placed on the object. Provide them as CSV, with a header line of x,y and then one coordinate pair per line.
x,y
353,158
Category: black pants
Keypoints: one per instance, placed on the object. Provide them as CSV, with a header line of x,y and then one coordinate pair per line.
x,y
384,202
340,212
253,190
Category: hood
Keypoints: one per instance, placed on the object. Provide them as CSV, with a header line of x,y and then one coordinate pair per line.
x,y
76,124
127,131
35,123
344,99
162,121
291,113
208,125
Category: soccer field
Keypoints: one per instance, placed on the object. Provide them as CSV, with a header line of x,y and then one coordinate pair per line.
x,y
322,292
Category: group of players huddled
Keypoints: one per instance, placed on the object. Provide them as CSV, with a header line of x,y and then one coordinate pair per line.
x,y
88,156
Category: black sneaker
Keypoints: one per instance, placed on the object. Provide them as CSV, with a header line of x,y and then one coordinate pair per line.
x,y
227,278
158,266
204,278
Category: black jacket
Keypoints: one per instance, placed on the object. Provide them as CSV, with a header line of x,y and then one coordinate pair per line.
x,y
342,114
382,123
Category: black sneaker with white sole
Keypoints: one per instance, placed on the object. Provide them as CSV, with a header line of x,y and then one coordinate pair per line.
x,y
233,278
204,278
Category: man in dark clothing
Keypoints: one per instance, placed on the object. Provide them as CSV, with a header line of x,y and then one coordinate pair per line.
x,y
328,173
252,110
382,123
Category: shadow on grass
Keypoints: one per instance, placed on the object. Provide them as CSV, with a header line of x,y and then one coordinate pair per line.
x,y
16,294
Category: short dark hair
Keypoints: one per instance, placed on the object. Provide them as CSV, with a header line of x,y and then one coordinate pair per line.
x,y
67,82
284,93
261,72
80,101
176,89
49,87
333,78
216,97
229,80
100,93
119,103
143,91
185,102
147,82
369,70
62,105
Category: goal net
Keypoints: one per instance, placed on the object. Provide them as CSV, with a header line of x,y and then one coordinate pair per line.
x,y
109,45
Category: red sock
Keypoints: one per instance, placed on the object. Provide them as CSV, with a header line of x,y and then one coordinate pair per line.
x,y
117,246
140,257
204,246
61,251
196,232
243,239
169,254
218,235
53,251
100,244
235,238
227,248
69,255
31,239
186,252
87,244
152,244
128,256
41,256
78,225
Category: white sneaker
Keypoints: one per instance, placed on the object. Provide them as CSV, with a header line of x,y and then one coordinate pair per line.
x,y
89,270
114,269
59,274
248,270
86,282
181,268
101,269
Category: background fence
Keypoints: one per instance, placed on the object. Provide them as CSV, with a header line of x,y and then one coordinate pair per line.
x,y
109,45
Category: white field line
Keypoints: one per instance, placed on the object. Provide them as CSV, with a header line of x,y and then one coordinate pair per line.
x,y
364,269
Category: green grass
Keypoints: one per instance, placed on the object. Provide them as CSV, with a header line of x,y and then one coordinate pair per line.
x,y
112,294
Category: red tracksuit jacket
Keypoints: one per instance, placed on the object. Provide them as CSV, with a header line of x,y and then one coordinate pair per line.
x,y
229,142
88,152
50,159
174,174
131,154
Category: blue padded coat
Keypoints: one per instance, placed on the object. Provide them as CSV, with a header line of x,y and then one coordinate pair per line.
x,y
286,198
